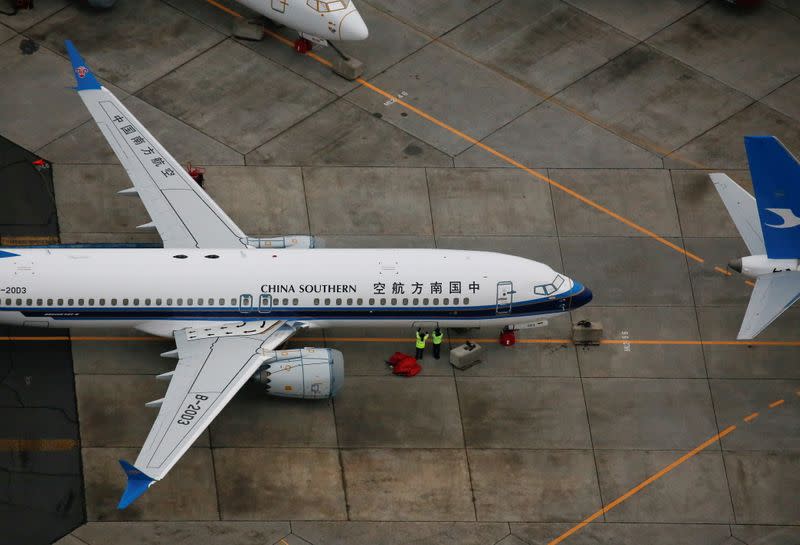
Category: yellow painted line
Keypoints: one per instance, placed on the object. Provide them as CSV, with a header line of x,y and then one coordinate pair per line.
x,y
750,417
28,240
37,445
723,271
644,484
776,403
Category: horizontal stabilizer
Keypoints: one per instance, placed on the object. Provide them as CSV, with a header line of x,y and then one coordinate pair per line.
x,y
743,211
772,294
138,483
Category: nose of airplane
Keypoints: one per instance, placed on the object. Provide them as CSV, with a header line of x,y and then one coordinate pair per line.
x,y
352,27
583,296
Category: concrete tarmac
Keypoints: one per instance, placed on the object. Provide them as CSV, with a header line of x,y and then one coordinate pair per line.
x,y
627,106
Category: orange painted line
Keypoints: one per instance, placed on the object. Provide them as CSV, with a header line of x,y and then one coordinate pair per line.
x,y
750,417
38,445
776,403
226,9
723,271
750,283
68,338
493,151
644,484
530,171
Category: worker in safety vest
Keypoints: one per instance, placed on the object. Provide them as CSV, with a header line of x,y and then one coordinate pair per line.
x,y
422,338
437,342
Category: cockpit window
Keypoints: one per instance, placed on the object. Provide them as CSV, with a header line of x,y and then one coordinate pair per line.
x,y
327,5
552,287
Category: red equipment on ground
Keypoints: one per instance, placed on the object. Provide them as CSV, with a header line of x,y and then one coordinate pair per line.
x,y
197,174
404,365
303,45
508,337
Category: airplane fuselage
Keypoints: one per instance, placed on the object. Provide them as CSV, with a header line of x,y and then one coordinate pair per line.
x,y
143,288
754,266
326,19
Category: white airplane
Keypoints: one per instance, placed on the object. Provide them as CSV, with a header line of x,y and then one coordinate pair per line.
x,y
770,227
230,301
315,20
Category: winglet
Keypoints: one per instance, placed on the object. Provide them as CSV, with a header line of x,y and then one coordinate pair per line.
x,y
138,483
83,76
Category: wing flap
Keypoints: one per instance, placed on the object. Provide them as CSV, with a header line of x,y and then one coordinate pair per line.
x,y
772,294
210,371
189,220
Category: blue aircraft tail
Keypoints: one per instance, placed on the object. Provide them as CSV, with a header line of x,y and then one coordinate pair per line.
x,y
138,483
776,181
83,75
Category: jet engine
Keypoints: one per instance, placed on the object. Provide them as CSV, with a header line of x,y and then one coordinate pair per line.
x,y
305,373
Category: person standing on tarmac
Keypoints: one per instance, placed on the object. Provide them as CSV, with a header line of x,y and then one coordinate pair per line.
x,y
437,342
422,338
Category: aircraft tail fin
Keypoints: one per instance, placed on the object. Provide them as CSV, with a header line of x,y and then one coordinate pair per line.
x,y
776,181
138,483
742,208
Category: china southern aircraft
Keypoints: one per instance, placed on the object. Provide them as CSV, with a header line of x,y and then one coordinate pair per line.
x,y
317,21
230,301
770,227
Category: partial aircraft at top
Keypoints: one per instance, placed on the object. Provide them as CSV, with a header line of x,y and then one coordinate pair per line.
x,y
230,301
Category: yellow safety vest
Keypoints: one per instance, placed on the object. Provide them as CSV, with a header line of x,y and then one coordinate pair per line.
x,y
421,340
437,339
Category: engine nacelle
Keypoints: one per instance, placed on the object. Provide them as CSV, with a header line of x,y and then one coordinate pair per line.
x,y
758,265
306,373
287,241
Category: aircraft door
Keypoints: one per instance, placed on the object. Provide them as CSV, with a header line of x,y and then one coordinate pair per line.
x,y
505,296
279,5
265,303
246,303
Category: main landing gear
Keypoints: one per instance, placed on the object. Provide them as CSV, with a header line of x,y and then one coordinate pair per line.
x,y
303,45
508,337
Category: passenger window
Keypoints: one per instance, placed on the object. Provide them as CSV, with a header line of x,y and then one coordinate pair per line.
x,y
113,302
39,302
276,302
200,302
405,300
179,302
285,302
158,302
383,301
80,302
124,302
338,301
425,301
146,302
446,301
371,301
91,302
349,301
359,301
8,302
416,301
61,302
295,301
221,302
394,301
70,302
102,302
49,302
327,301
455,300
233,302
169,302
136,302
189,301
466,300
435,300
19,302
316,301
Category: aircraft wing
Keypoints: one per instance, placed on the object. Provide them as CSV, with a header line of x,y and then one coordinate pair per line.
x,y
743,210
214,363
184,215
772,294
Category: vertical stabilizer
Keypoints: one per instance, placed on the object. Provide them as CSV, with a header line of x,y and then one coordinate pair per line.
x,y
776,181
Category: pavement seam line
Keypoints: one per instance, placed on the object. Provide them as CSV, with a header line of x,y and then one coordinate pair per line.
x,y
644,484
